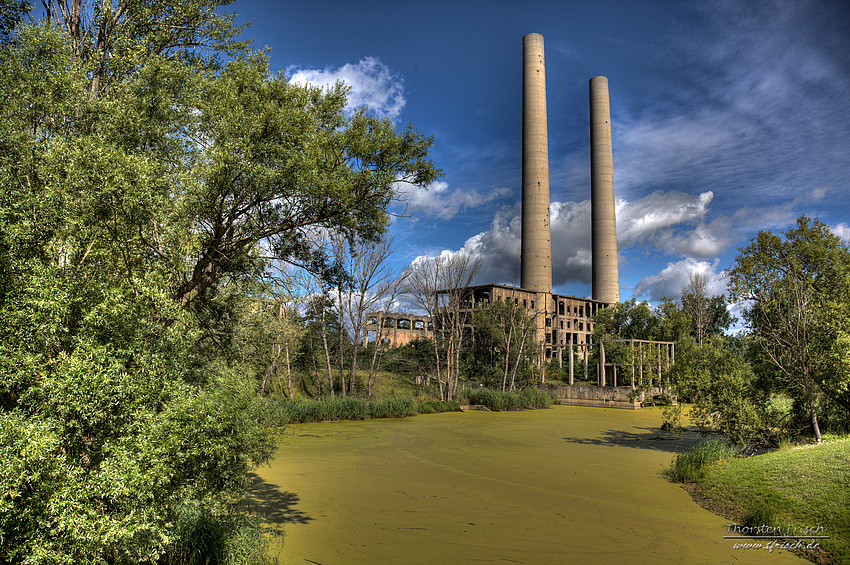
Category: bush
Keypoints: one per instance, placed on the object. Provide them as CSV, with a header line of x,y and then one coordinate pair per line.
x,y
689,467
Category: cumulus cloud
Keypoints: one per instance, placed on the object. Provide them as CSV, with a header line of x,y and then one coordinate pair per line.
x,y
371,81
438,201
672,222
842,230
670,281
654,218
651,217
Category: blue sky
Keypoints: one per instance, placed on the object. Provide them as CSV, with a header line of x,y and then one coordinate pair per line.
x,y
728,117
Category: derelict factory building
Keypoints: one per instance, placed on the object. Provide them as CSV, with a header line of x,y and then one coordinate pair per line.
x,y
562,321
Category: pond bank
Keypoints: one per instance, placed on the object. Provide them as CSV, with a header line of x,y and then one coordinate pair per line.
x,y
568,484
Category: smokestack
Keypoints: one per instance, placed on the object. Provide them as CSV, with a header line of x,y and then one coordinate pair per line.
x,y
606,284
536,258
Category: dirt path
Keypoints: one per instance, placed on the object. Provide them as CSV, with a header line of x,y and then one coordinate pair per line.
x,y
568,485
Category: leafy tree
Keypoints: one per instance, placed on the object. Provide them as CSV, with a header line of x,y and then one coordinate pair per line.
x,y
111,39
139,188
720,319
627,320
796,292
674,324
501,344
12,12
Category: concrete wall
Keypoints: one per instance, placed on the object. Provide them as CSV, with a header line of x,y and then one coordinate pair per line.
x,y
601,396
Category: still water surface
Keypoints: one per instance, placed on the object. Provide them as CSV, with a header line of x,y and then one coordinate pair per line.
x,y
567,485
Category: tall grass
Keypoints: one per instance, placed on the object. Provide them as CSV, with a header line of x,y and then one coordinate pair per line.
x,y
435,406
393,407
199,538
691,466
296,411
497,400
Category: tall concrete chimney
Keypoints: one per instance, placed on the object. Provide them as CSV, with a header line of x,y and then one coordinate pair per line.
x,y
603,220
536,259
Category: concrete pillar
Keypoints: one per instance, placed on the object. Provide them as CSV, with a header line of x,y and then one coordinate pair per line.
x,y
606,286
536,259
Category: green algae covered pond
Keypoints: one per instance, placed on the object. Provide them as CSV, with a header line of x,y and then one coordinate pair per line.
x,y
570,484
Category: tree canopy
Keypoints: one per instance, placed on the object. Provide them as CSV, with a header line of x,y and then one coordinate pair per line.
x,y
143,188
796,292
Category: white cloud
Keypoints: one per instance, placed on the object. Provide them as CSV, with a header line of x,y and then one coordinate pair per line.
x,y
652,217
842,230
670,281
673,222
371,81
438,201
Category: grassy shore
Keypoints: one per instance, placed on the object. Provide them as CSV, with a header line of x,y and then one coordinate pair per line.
x,y
804,487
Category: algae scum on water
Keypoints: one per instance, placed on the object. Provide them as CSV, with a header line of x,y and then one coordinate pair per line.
x,y
570,484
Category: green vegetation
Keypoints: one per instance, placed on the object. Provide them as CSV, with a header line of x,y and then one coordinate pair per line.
x,y
145,159
692,465
437,406
788,377
496,400
804,486
178,233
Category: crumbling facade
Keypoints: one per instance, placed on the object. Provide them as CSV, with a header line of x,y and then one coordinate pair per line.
x,y
395,329
563,323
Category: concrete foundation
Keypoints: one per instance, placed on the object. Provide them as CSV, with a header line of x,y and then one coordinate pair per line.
x,y
602,396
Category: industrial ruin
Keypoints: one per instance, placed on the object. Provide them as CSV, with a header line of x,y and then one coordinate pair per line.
x,y
564,325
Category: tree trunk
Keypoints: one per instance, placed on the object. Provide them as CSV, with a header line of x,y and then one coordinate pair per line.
x,y
352,386
810,397
271,368
288,372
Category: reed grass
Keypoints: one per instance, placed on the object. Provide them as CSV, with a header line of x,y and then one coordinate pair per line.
x,y
496,400
691,466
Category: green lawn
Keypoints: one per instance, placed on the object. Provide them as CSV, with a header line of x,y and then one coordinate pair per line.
x,y
801,486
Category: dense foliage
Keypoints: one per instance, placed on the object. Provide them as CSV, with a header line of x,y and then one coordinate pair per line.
x,y
789,373
797,308
144,183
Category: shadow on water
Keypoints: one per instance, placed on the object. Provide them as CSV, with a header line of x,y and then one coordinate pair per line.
x,y
651,438
276,505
